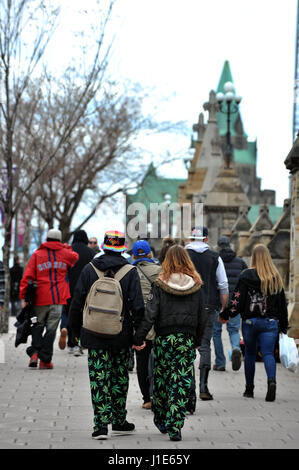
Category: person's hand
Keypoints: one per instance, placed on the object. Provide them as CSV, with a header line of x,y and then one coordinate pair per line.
x,y
139,348
23,303
221,320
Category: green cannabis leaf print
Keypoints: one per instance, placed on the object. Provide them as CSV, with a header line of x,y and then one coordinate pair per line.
x,y
174,357
109,382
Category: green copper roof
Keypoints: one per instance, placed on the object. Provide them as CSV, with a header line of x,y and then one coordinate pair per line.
x,y
274,213
246,156
226,76
154,188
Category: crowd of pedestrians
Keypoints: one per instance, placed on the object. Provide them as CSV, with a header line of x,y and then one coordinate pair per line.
x,y
166,308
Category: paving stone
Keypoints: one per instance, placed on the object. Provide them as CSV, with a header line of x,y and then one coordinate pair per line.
x,y
52,409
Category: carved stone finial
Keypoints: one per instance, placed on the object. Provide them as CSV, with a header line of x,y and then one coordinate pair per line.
x,y
212,106
199,127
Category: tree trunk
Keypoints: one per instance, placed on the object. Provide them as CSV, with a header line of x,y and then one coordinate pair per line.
x,y
4,314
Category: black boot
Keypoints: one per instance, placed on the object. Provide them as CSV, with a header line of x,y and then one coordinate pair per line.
x,y
271,392
204,393
249,391
191,405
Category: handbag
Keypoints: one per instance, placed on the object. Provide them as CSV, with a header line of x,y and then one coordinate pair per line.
x,y
288,352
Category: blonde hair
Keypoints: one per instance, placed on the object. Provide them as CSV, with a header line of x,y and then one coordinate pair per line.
x,y
261,260
177,260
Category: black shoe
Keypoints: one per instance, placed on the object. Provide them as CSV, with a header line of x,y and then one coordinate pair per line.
x,y
176,437
122,429
161,427
248,391
101,433
191,405
219,368
236,359
271,392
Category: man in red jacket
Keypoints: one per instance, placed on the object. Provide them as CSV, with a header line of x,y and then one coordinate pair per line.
x,y
48,266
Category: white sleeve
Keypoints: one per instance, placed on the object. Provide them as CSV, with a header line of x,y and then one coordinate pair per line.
x,y
222,282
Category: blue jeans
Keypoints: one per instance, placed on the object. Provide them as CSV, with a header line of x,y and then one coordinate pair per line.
x,y
233,327
261,332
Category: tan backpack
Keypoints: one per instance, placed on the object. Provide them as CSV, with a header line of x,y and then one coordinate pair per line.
x,y
102,313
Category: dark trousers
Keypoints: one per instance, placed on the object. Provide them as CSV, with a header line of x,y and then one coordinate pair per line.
x,y
205,347
71,342
44,331
142,363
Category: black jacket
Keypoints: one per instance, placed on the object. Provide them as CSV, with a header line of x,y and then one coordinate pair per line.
x,y
133,306
206,264
86,254
233,267
173,311
250,302
16,274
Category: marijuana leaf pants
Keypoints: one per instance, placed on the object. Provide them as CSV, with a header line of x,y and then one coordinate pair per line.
x,y
109,382
174,356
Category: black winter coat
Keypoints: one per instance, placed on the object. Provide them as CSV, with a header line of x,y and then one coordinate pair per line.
x,y
16,274
133,305
250,302
86,254
233,267
173,311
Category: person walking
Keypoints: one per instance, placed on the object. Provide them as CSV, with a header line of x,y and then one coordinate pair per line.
x,y
233,267
210,266
93,244
260,299
148,270
109,355
166,244
86,254
16,274
175,308
48,266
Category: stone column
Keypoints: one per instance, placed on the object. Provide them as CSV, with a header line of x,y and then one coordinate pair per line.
x,y
292,164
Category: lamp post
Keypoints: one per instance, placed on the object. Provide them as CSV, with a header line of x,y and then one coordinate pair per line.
x,y
232,106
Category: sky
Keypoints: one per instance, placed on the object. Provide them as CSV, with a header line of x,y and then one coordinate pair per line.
x,y
177,49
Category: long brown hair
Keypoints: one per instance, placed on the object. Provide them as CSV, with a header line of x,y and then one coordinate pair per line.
x,y
177,260
166,244
267,272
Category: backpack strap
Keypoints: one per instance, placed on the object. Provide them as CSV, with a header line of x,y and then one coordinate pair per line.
x,y
99,273
118,275
145,275
123,271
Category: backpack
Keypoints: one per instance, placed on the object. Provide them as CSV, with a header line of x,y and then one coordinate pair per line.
x,y
102,313
146,285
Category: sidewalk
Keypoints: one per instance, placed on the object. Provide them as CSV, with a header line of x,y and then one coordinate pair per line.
x,y
52,409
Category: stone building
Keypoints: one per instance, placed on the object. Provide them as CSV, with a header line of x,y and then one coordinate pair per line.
x,y
292,164
234,203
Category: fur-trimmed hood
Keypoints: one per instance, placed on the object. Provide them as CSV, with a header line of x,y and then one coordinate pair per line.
x,y
179,284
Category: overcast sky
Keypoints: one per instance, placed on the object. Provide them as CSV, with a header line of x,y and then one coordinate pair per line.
x,y
178,48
